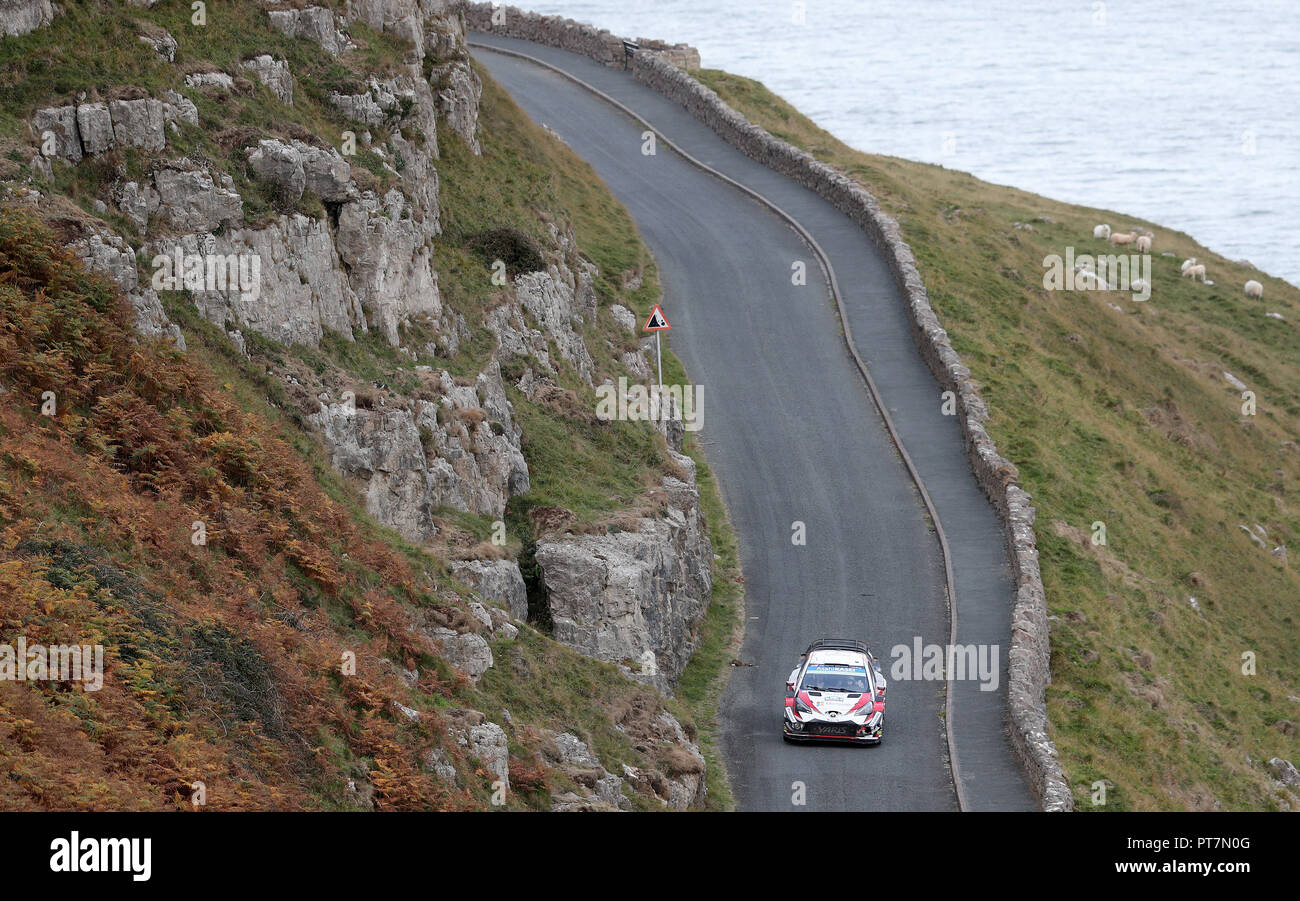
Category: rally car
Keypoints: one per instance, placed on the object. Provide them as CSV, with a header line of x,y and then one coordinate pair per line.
x,y
836,693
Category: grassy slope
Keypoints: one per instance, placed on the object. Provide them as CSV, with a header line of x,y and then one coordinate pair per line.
x,y
524,180
1125,418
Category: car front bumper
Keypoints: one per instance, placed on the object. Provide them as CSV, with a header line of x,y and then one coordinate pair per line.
x,y
833,731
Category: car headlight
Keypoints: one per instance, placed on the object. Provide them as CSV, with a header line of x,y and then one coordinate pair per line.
x,y
801,707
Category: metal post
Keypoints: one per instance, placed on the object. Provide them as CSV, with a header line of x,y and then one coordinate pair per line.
x,y
659,361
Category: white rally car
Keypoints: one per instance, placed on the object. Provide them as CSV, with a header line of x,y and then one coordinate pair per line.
x,y
836,693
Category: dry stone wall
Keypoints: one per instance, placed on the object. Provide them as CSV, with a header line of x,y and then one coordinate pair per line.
x,y
587,40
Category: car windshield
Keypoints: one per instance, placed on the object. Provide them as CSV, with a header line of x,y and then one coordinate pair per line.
x,y
836,678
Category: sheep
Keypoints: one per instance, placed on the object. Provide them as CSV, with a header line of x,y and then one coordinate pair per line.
x,y
1143,244
1186,263
1101,231
1254,289
1193,271
1118,238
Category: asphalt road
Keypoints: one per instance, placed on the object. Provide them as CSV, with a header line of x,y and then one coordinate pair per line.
x,y
794,437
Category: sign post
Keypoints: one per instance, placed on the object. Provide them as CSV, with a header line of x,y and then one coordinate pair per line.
x,y
658,322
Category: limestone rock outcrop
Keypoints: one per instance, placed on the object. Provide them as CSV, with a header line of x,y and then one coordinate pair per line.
x,y
390,260
186,198
674,776
314,23
23,16
498,581
462,452
467,651
634,598
302,288
362,260
599,789
88,129
274,73
113,257
296,167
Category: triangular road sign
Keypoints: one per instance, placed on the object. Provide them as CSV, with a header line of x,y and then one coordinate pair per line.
x,y
657,322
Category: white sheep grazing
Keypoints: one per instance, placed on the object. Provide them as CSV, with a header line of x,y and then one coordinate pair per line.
x,y
1123,239
1101,231
1193,271
1254,289
1186,264
1143,244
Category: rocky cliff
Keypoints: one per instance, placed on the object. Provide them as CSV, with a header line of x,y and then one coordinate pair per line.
x,y
318,259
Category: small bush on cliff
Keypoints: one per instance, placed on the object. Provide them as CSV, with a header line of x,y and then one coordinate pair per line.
x,y
509,245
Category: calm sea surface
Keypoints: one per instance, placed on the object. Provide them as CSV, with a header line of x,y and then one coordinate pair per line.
x,y
1186,113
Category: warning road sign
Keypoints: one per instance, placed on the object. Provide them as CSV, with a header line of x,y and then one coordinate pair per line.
x,y
657,322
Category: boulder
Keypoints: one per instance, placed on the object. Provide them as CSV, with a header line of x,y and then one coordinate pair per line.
x,y
467,651
95,127
218,80
315,23
177,106
138,123
623,316
163,44
59,122
1285,772
274,73
438,763
496,580
487,742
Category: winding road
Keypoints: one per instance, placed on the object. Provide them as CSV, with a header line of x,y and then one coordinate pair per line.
x,y
795,438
